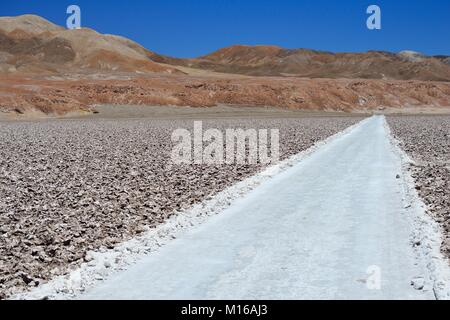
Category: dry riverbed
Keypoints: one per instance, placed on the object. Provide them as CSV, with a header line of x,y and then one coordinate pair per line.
x,y
71,186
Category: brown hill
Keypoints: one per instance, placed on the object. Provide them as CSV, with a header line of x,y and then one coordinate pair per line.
x,y
276,61
31,44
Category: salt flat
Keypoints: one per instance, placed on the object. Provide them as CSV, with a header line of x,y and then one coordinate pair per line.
x,y
316,231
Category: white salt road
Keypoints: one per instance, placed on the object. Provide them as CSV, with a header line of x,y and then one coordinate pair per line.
x,y
311,232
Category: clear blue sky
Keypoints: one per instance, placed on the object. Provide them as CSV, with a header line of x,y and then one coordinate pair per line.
x,y
195,27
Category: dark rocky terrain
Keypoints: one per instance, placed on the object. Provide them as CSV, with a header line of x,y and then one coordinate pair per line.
x,y
69,186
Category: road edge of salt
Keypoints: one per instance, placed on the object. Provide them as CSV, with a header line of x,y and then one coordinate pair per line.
x,y
426,237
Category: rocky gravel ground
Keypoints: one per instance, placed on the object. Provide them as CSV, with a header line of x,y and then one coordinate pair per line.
x,y
427,141
70,186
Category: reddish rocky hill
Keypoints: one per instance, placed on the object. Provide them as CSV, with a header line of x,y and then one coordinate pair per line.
x,y
276,61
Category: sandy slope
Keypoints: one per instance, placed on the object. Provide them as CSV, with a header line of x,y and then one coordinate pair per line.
x,y
59,96
312,232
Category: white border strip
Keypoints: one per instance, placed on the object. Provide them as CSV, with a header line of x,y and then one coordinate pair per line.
x,y
427,235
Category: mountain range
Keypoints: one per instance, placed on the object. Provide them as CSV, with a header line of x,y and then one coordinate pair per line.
x,y
46,69
30,44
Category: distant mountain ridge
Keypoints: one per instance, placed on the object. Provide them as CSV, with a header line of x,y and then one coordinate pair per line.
x,y
30,44
277,61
